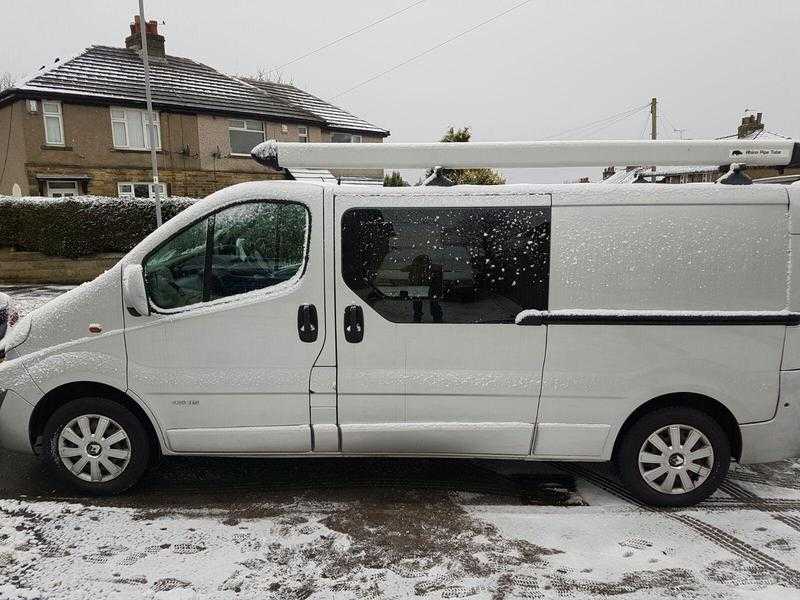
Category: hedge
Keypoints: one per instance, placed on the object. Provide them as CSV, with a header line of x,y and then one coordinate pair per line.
x,y
80,225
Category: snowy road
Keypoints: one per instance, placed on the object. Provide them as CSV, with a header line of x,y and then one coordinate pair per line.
x,y
390,528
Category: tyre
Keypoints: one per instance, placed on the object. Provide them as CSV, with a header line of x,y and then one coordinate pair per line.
x,y
96,446
673,457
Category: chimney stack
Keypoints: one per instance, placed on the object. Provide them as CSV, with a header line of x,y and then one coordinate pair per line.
x,y
155,42
750,124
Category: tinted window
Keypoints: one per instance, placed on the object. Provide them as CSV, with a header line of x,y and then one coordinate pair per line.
x,y
175,271
256,245
240,249
448,265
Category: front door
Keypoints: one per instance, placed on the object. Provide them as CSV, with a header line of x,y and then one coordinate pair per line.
x,y
427,289
225,357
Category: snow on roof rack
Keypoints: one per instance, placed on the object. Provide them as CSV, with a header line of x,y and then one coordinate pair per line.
x,y
572,153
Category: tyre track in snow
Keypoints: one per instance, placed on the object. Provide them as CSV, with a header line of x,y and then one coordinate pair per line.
x,y
784,482
793,522
759,560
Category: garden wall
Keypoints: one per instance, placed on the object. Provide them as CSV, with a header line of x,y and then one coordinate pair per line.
x,y
72,240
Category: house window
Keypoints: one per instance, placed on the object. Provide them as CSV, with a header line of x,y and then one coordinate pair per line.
x,y
302,133
141,190
245,135
61,189
53,123
129,129
345,138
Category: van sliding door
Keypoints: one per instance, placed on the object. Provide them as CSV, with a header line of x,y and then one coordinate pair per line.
x,y
427,289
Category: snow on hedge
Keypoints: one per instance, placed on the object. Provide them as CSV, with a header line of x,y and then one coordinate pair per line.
x,y
80,225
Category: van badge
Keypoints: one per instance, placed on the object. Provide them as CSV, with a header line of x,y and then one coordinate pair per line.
x,y
95,328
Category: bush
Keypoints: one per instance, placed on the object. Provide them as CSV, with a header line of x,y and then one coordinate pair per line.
x,y
80,225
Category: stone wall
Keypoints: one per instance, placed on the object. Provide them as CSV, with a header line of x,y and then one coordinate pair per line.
x,y
189,184
35,267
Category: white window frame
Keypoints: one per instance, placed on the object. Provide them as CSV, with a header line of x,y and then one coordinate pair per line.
x,y
145,131
61,188
302,134
122,193
244,127
53,112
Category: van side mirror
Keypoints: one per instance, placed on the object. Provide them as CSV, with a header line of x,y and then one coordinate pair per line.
x,y
134,294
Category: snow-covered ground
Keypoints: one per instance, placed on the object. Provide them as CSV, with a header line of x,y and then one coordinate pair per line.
x,y
393,529
405,542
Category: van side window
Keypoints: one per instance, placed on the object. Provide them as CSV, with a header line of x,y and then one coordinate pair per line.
x,y
175,272
448,265
247,247
256,246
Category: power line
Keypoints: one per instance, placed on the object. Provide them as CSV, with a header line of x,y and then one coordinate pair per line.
x,y
432,48
604,126
347,35
612,119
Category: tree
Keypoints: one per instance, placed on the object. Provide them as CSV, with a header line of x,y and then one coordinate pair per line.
x,y
467,176
6,81
272,76
394,180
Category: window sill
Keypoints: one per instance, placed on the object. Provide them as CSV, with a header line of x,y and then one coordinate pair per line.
x,y
56,147
136,150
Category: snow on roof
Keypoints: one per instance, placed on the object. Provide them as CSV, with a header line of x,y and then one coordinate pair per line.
x,y
117,74
625,176
760,134
334,117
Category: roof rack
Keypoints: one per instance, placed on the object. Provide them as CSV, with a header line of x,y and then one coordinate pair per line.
x,y
573,153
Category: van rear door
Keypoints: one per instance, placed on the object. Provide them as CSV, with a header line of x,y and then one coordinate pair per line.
x,y
428,283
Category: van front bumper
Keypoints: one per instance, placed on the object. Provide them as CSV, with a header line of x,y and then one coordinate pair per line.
x,y
15,415
778,438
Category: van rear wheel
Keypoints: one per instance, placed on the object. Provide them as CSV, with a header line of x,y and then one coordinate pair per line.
x,y
96,445
674,457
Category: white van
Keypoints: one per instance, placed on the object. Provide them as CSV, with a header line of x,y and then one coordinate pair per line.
x,y
650,325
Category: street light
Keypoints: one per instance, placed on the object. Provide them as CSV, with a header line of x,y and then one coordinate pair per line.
x,y
151,124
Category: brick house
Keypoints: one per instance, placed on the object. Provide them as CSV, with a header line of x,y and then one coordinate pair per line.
x,y
79,126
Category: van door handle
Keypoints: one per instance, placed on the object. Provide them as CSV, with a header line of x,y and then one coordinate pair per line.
x,y
307,324
353,324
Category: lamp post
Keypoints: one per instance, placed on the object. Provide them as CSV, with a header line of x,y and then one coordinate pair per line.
x,y
151,121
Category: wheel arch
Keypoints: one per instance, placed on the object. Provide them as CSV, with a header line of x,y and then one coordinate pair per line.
x,y
56,397
712,407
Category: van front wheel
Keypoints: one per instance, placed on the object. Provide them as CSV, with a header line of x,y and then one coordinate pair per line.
x,y
96,445
674,457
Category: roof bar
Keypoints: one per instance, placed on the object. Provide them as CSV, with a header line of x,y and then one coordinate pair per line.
x,y
573,153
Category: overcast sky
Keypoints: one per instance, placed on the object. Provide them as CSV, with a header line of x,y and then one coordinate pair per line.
x,y
548,66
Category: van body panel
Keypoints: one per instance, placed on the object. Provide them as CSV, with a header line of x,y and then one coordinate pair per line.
x,y
411,387
600,374
236,363
571,440
60,348
685,257
244,440
14,411
794,208
777,438
447,438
